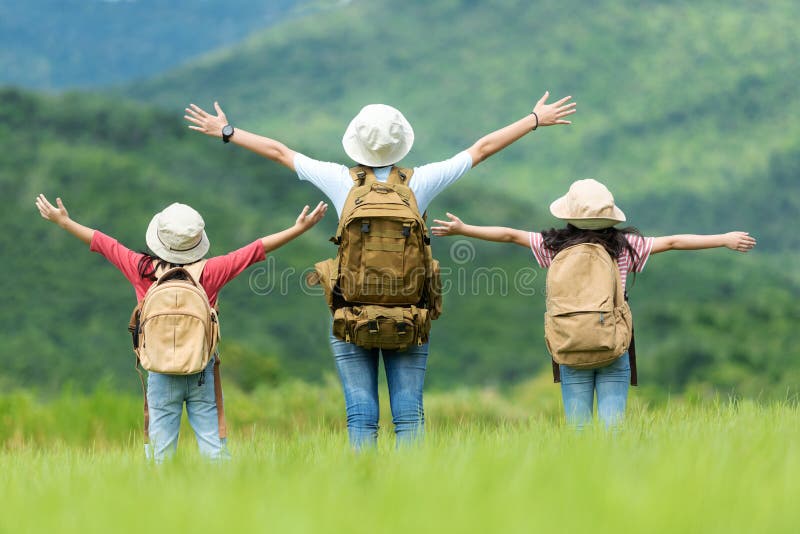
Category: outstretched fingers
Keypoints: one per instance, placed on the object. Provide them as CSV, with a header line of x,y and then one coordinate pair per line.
x,y
544,98
309,219
549,114
746,242
445,227
47,210
741,241
192,118
194,109
319,211
218,109
42,205
569,109
561,102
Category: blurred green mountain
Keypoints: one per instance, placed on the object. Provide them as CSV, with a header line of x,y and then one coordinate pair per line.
x,y
55,44
673,96
702,318
685,111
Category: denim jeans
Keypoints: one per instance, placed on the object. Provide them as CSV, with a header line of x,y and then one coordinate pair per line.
x,y
405,375
611,383
165,397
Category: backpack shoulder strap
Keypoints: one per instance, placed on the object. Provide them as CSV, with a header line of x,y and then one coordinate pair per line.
x,y
193,270
400,175
196,269
361,175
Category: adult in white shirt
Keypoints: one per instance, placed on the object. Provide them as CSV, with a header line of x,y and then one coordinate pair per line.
x,y
379,137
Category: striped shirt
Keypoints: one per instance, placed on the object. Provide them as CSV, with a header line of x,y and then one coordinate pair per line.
x,y
642,245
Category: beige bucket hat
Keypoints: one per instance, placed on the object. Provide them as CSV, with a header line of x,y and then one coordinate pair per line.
x,y
378,136
588,205
177,235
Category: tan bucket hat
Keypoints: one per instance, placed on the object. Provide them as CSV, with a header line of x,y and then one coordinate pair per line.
x,y
588,205
378,136
177,235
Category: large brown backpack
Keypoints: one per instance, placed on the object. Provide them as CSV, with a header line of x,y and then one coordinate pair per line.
x,y
175,330
383,286
588,323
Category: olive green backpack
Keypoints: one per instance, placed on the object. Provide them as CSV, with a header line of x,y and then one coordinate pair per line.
x,y
383,286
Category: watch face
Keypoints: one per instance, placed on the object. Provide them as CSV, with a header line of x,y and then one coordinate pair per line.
x,y
227,130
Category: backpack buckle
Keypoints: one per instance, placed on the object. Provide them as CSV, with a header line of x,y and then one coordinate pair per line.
x,y
365,227
401,328
406,230
373,326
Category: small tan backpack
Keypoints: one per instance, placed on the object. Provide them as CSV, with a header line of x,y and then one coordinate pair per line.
x,y
175,331
587,324
383,286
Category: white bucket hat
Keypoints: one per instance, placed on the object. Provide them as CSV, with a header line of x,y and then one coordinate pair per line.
x,y
177,235
588,205
378,136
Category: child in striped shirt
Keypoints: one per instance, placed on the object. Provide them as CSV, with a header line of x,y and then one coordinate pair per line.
x,y
590,213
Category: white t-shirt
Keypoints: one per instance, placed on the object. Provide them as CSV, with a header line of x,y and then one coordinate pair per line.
x,y
334,179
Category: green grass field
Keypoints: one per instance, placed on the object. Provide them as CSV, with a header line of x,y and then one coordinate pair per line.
x,y
489,463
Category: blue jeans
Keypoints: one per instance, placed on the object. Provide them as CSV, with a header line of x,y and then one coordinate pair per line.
x,y
611,383
405,375
165,397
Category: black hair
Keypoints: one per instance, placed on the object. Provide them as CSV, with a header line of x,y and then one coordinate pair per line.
x,y
612,239
149,264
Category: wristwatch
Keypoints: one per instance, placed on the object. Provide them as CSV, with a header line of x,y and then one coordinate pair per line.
x,y
227,132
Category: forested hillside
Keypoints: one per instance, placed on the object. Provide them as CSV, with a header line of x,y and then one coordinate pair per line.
x,y
685,111
715,317
673,96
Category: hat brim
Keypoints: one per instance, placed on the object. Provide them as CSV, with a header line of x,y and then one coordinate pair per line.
x,y
356,151
183,257
559,210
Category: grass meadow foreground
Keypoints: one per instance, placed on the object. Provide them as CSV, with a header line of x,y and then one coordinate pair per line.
x,y
489,463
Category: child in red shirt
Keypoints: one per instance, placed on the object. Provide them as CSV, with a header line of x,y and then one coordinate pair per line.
x,y
176,236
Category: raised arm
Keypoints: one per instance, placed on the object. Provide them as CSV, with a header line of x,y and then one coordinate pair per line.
x,y
739,241
500,234
543,114
59,216
212,125
304,222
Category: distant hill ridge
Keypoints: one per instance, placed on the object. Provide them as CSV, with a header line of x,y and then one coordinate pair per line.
x,y
691,97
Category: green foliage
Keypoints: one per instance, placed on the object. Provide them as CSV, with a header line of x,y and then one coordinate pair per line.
x,y
677,467
250,369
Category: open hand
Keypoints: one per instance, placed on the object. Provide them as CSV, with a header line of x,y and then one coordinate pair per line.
x,y
550,114
52,213
451,227
204,122
739,241
306,220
